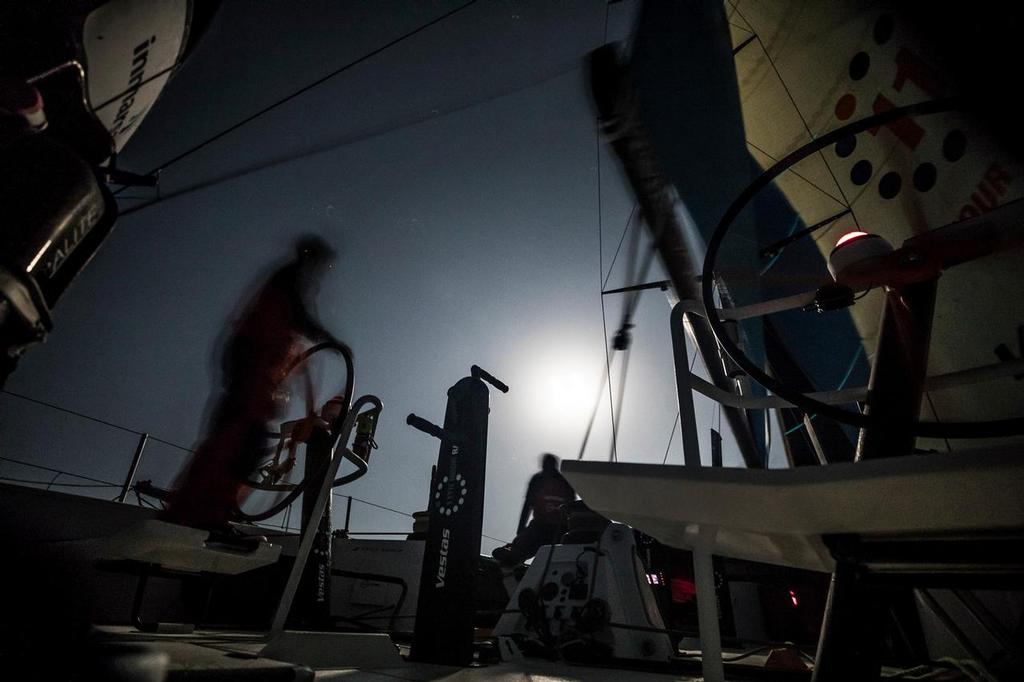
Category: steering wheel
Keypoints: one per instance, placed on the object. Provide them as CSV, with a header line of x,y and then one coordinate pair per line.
x,y
279,462
984,429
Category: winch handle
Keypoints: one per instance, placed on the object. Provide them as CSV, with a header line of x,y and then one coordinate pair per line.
x,y
478,373
429,428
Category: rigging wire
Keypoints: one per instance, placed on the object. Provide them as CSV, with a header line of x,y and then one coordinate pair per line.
x,y
600,277
613,455
799,114
604,284
842,383
778,254
622,339
399,511
633,297
49,483
97,420
593,415
58,471
374,504
673,433
816,186
928,397
352,139
100,483
135,88
622,238
287,98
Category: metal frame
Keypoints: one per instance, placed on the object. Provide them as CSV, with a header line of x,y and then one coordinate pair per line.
x,y
324,493
684,386
134,467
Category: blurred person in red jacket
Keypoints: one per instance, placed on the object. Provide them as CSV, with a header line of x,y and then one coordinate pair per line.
x,y
263,344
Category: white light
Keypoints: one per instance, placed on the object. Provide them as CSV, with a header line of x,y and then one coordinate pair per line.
x,y
850,236
39,255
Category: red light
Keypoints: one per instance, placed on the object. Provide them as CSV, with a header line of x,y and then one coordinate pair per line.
x,y
792,594
850,236
683,591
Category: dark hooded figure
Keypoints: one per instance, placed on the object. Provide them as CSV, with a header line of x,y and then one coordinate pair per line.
x,y
547,494
264,342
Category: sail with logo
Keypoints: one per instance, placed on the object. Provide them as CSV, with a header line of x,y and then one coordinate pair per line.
x,y
754,82
76,81
805,68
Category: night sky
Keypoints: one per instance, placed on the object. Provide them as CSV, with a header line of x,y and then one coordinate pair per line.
x,y
456,173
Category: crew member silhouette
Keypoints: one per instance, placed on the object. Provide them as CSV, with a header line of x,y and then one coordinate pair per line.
x,y
263,344
546,495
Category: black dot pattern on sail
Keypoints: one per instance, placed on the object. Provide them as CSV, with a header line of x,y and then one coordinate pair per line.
x,y
846,146
889,185
925,176
861,172
859,65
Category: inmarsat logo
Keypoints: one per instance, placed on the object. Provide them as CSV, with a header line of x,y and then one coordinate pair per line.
x,y
140,55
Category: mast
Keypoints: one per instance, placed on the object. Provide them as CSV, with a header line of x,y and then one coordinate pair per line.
x,y
621,122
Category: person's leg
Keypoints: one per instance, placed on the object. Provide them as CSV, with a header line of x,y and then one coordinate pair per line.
x,y
206,493
526,544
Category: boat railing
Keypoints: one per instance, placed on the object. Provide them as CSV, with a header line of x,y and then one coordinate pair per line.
x,y
130,491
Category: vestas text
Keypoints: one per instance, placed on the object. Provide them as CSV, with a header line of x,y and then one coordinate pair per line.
x,y
442,563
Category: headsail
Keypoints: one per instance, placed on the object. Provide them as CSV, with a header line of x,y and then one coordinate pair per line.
x,y
806,68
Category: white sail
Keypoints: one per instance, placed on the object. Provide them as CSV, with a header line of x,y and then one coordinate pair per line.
x,y
806,68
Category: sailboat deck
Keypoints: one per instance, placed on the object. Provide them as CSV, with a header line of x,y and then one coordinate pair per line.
x,y
217,655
